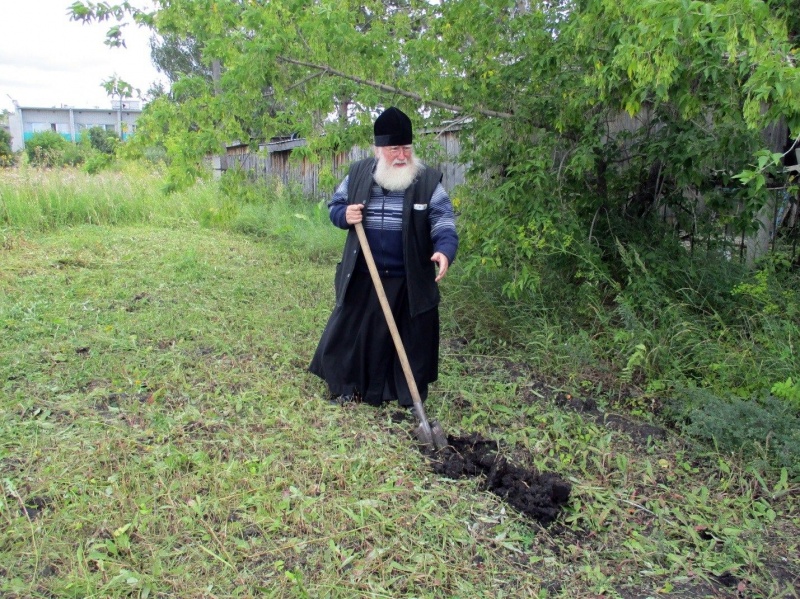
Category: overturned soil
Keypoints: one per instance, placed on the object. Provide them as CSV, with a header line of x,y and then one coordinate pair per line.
x,y
538,495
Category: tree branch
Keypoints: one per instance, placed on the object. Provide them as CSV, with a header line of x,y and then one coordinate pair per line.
x,y
393,90
306,79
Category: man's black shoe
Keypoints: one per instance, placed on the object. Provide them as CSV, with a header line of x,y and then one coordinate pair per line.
x,y
341,400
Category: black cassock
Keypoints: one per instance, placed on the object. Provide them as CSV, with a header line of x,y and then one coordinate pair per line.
x,y
356,353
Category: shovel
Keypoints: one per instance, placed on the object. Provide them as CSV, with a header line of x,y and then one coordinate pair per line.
x,y
427,433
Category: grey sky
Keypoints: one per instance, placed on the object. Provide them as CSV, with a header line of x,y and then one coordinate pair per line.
x,y
48,60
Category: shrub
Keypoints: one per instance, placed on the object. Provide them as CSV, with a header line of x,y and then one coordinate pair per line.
x,y
156,154
102,140
46,148
7,157
74,154
97,162
755,428
789,391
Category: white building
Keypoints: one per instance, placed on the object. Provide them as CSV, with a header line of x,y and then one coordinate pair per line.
x,y
70,122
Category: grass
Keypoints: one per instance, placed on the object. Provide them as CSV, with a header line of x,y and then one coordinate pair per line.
x,y
160,436
42,200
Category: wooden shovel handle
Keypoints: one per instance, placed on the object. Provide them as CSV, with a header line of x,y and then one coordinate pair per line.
x,y
398,343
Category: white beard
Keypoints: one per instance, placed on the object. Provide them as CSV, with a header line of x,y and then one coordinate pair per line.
x,y
395,178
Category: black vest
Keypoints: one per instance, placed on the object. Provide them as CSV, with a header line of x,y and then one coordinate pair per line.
x,y
423,292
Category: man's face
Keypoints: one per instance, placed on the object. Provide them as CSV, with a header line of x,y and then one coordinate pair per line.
x,y
397,167
396,156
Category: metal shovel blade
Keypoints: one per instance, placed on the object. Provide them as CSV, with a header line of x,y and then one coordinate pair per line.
x,y
439,438
432,436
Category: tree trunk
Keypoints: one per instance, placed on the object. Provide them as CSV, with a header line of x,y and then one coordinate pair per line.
x,y
221,161
758,243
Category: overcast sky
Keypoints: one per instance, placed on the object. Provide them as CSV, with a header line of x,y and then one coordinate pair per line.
x,y
48,60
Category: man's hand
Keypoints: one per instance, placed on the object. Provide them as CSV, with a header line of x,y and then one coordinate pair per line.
x,y
443,263
354,214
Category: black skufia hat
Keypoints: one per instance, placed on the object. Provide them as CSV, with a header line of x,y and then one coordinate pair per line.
x,y
393,128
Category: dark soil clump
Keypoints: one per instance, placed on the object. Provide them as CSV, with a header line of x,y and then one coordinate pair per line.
x,y
539,496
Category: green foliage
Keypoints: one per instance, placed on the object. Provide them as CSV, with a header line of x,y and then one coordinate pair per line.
x,y
673,320
102,140
155,154
75,154
7,157
788,390
178,57
118,88
166,437
46,148
97,162
615,147
274,211
576,113
49,149
767,429
38,200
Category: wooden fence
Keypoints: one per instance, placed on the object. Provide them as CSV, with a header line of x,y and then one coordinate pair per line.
x,y
274,161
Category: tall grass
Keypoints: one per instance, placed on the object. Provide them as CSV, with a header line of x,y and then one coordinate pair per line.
x,y
283,215
731,333
160,435
42,200
672,324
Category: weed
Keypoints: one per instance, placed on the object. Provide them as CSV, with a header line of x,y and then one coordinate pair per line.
x,y
160,436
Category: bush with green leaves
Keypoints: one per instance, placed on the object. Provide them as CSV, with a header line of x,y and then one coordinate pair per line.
x,y
768,428
97,162
7,157
789,391
49,148
102,140
156,154
46,148
75,154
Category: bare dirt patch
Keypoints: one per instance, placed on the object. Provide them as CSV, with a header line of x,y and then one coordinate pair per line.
x,y
538,495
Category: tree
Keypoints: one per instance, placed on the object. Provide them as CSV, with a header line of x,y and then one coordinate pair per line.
x,y
117,88
787,10
543,87
178,57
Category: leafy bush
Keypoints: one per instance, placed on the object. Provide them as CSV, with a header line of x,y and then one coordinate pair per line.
x,y
7,157
155,154
46,148
788,390
74,154
102,140
770,427
97,162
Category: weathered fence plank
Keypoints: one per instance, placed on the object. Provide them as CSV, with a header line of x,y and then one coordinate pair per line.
x,y
274,161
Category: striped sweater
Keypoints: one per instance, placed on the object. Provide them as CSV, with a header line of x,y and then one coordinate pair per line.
x,y
383,225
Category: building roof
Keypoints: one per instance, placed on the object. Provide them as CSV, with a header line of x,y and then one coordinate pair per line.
x,y
77,108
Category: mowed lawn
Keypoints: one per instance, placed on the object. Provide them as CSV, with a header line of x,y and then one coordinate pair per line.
x,y
160,437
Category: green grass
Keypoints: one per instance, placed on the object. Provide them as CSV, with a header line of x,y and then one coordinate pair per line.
x,y
41,200
160,436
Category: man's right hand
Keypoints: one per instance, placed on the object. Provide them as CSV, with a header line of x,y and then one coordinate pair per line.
x,y
354,214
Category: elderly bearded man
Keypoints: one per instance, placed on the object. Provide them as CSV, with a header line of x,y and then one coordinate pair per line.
x,y
410,226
